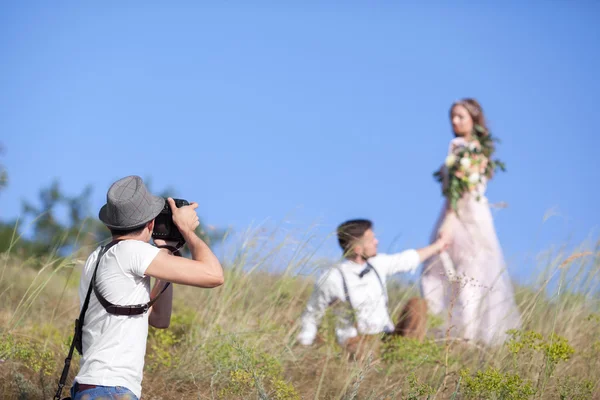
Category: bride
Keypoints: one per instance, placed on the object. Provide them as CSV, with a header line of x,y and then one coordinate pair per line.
x,y
469,283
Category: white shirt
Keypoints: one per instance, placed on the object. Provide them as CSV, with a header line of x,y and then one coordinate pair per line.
x,y
368,297
114,346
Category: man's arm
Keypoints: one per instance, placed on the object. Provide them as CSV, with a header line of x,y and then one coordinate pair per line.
x,y
203,270
435,248
321,297
160,312
408,260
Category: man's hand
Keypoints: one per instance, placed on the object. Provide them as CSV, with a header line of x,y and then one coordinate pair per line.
x,y
185,218
170,243
441,244
162,243
443,241
203,270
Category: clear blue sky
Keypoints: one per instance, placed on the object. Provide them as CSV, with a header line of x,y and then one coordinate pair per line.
x,y
321,110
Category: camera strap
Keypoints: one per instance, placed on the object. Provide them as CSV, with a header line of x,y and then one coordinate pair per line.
x,y
77,337
135,309
110,308
173,249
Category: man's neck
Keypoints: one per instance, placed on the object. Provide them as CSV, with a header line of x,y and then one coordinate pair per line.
x,y
356,259
129,237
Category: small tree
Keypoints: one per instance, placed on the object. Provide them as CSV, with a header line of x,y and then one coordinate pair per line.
x,y
52,235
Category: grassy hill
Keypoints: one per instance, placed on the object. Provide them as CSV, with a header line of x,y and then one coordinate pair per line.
x,y
237,341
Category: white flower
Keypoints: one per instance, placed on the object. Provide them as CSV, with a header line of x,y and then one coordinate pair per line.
x,y
472,146
450,160
474,177
465,162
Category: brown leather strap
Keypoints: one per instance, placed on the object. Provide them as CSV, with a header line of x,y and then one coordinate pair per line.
x,y
172,249
82,386
134,309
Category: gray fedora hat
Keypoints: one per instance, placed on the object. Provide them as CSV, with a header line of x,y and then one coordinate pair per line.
x,y
129,205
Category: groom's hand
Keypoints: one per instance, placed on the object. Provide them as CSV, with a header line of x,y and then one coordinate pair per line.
x,y
443,241
434,248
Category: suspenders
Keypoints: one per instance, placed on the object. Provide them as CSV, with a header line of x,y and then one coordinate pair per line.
x,y
347,293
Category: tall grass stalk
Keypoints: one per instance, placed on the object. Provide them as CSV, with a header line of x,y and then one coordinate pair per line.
x,y
237,341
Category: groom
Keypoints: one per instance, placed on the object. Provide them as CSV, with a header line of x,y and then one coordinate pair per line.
x,y
359,281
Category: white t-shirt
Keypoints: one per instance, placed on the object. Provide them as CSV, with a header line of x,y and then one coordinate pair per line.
x,y
114,346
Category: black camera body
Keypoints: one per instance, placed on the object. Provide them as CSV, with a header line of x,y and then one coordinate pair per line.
x,y
164,227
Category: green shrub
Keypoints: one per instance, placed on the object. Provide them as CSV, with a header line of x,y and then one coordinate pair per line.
x,y
163,342
411,353
492,384
554,349
248,370
417,389
31,354
575,389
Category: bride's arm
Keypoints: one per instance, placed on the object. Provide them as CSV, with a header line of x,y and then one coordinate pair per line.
x,y
448,223
450,216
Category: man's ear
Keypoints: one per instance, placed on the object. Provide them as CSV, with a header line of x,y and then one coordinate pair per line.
x,y
150,226
357,249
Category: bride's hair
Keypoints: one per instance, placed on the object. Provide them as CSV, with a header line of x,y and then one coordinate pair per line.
x,y
483,133
476,112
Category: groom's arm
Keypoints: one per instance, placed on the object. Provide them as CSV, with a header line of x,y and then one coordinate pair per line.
x,y
324,293
408,260
435,248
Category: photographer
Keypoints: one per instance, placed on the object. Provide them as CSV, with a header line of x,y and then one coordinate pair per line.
x,y
113,338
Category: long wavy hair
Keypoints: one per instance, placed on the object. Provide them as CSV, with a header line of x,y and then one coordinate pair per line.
x,y
480,128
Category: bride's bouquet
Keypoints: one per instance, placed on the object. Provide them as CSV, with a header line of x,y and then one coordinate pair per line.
x,y
468,166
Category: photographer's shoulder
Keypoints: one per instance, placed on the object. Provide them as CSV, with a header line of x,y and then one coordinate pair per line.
x,y
137,245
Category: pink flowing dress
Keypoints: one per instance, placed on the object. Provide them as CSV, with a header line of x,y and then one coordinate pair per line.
x,y
480,306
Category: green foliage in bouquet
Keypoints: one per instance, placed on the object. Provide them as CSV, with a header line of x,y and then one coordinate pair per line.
x,y
467,166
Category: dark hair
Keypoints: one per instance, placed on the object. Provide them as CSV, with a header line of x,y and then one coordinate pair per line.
x,y
124,232
350,231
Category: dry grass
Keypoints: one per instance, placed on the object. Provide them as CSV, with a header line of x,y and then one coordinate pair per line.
x,y
237,341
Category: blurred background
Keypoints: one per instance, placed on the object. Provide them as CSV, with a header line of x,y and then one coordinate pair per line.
x,y
298,116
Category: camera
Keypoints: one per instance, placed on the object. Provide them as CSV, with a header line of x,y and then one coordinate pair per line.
x,y
164,228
